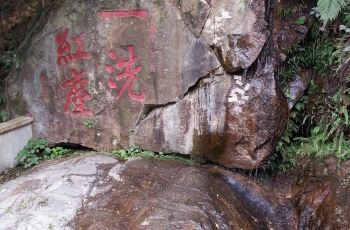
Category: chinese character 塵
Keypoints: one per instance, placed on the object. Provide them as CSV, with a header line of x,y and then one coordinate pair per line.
x,y
77,95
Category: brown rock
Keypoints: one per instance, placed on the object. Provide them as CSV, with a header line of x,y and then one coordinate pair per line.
x,y
168,58
238,32
98,192
110,75
319,191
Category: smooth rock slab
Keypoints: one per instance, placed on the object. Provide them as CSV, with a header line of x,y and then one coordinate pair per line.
x,y
99,192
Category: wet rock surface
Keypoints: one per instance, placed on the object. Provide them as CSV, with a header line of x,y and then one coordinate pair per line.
x,y
157,74
319,191
99,192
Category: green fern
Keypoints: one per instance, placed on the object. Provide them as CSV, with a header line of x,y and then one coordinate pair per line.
x,y
329,9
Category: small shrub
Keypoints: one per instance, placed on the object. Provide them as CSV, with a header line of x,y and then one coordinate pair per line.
x,y
33,152
37,150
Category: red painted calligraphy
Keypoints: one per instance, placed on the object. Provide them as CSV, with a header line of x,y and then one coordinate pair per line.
x,y
64,54
129,73
77,95
141,14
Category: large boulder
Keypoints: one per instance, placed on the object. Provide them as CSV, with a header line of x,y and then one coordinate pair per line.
x,y
99,192
158,74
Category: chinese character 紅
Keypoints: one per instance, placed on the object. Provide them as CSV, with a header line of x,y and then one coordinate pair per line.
x,y
129,73
77,95
64,54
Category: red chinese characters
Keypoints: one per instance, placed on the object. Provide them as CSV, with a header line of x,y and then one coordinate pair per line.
x,y
64,54
78,94
128,74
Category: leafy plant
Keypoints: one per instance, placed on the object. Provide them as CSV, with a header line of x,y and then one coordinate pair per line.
x,y
345,16
328,136
32,153
37,150
301,20
57,152
330,9
318,54
4,116
286,159
88,124
135,151
8,59
285,13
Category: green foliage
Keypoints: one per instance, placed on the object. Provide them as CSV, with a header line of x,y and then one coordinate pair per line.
x,y
4,116
328,135
285,13
286,159
2,98
330,9
32,153
8,59
318,54
345,16
301,20
88,124
135,151
57,152
319,124
37,150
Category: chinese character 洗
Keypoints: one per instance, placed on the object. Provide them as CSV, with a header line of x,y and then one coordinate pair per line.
x,y
129,72
78,94
64,54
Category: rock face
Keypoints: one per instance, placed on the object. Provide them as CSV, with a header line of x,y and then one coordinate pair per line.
x,y
98,192
158,74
